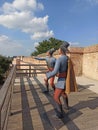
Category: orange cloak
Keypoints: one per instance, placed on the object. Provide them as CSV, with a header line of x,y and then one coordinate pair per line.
x,y
71,85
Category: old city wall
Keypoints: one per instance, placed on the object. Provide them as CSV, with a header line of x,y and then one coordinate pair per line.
x,y
76,55
85,60
90,62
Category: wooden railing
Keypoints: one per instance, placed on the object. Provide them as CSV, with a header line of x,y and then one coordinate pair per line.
x,y
6,98
7,89
30,69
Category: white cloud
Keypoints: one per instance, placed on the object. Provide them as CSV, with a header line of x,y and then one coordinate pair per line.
x,y
36,44
10,47
42,35
21,15
15,20
23,5
27,5
74,43
36,25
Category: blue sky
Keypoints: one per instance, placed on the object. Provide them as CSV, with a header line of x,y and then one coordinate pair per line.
x,y
24,23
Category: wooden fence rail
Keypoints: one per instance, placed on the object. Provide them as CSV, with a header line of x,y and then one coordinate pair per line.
x,y
7,89
6,98
30,69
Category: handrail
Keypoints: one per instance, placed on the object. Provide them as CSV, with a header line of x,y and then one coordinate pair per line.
x,y
6,98
30,69
7,89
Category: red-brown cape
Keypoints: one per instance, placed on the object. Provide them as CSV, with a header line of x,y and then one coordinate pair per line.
x,y
71,85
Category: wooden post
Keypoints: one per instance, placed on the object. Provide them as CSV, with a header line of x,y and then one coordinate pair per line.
x,y
29,70
18,63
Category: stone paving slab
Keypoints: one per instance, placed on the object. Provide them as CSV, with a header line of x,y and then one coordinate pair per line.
x,y
34,110
88,83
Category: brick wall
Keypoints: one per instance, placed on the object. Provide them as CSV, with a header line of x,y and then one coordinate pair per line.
x,y
76,55
90,62
85,61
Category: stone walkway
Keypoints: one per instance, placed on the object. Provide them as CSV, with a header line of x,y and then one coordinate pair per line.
x,y
88,83
34,110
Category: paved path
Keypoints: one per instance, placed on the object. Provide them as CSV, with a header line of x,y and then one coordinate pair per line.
x,y
33,110
88,83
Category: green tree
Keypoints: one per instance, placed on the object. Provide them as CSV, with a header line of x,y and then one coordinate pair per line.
x,y
45,45
4,66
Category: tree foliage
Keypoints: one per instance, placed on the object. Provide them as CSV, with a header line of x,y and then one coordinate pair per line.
x,y
4,66
45,45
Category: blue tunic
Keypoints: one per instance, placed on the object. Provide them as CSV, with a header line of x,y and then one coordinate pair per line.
x,y
60,67
49,60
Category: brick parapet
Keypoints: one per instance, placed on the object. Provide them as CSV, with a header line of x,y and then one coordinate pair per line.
x,y
76,50
91,49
